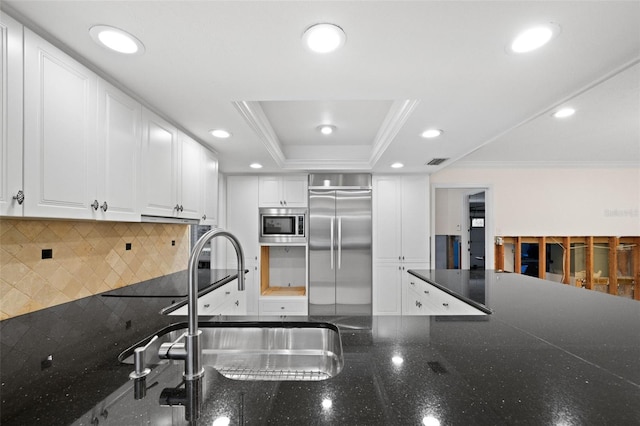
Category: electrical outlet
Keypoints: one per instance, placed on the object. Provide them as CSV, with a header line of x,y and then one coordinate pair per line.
x,y
47,253
173,242
127,246
127,325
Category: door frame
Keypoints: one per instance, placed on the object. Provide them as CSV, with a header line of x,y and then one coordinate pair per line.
x,y
489,229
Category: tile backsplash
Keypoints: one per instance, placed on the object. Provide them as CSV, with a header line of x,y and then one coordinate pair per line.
x,y
44,263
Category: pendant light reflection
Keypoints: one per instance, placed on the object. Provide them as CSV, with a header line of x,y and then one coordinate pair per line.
x,y
327,404
221,421
430,421
397,360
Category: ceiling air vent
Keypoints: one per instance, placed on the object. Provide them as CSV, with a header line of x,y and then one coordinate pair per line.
x,y
436,161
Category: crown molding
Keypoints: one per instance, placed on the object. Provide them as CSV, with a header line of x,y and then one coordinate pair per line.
x,y
396,117
254,115
393,122
546,164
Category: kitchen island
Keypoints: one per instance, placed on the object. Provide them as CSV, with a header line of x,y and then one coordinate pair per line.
x,y
547,354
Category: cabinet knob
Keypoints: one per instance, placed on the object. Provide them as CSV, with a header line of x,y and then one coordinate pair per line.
x,y
227,293
207,305
95,204
178,207
237,303
19,197
104,206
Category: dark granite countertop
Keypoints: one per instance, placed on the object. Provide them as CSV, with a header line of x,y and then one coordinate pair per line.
x,y
547,354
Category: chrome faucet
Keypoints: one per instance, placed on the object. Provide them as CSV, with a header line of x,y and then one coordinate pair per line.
x,y
190,351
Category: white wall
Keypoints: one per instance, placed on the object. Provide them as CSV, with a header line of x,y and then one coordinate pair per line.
x,y
556,201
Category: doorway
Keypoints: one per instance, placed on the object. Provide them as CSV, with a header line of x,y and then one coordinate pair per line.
x,y
476,229
462,224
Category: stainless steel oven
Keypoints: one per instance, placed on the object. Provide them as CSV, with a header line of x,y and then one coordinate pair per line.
x,y
283,225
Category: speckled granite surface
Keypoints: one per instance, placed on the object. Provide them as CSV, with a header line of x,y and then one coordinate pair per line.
x,y
548,354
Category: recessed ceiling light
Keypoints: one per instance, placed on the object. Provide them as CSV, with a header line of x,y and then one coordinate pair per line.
x,y
534,38
326,129
397,165
220,133
116,39
564,112
324,38
255,165
431,133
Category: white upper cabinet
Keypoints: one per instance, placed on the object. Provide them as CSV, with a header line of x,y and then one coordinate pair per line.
x,y
171,170
401,218
283,191
159,180
415,218
11,189
190,174
59,133
209,188
118,152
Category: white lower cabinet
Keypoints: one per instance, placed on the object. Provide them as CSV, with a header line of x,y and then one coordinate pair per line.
x,y
426,299
226,300
387,289
289,305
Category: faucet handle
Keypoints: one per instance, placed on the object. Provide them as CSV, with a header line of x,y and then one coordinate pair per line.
x,y
139,360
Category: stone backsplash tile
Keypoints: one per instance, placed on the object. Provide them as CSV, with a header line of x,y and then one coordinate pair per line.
x,y
87,258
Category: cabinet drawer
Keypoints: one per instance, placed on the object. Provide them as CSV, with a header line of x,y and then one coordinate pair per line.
x,y
283,306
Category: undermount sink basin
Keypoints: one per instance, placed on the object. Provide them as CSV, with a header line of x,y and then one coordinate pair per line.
x,y
302,351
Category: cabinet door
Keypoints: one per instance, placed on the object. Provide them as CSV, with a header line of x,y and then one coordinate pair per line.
x,y
209,188
10,117
242,216
415,218
270,192
59,133
118,152
190,196
294,191
387,219
387,289
242,221
159,180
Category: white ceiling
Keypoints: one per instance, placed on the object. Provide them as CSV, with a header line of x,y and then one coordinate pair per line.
x,y
405,67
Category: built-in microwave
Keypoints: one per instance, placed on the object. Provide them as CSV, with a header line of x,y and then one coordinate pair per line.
x,y
283,225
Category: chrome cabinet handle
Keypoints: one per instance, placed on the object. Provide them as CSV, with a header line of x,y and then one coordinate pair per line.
x,y
446,305
237,303
204,217
95,204
104,206
19,197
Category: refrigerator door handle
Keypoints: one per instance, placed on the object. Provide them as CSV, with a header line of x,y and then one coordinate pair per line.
x,y
339,242
331,241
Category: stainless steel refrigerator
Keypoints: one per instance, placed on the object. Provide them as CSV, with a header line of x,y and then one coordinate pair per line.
x,y
340,245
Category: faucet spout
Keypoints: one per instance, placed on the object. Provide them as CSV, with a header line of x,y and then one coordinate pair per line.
x,y
193,365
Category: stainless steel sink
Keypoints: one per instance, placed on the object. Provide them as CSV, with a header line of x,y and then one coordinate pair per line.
x,y
301,351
